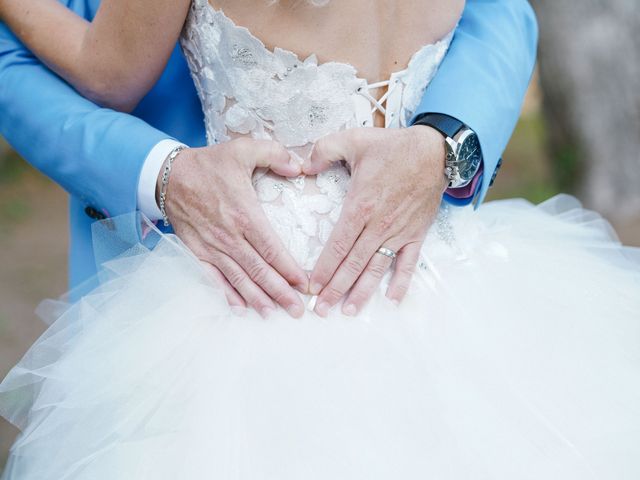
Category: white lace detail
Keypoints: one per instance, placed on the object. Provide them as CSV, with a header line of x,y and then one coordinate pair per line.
x,y
248,90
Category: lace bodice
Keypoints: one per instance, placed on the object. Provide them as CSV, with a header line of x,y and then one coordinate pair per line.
x,y
248,90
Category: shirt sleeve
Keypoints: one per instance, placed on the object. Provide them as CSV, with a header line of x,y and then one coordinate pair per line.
x,y
147,182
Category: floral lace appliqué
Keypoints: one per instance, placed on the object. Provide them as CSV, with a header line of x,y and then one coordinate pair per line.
x,y
248,90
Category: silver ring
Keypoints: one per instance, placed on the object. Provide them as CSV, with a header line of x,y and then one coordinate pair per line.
x,y
387,252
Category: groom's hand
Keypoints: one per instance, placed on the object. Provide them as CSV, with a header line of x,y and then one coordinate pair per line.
x,y
213,208
397,182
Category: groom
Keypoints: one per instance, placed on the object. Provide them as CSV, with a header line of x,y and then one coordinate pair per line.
x,y
110,162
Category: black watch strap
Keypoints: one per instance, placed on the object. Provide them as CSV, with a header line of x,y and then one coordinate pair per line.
x,y
445,124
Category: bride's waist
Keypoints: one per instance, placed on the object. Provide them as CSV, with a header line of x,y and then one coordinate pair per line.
x,y
303,210
310,193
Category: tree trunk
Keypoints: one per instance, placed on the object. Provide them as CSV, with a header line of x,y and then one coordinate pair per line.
x,y
590,77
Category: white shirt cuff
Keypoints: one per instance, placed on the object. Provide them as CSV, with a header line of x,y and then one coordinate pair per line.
x,y
149,178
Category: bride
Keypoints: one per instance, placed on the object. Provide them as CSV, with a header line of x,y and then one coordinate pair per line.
x,y
514,354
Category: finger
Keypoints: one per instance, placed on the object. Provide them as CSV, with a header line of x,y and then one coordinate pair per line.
x,y
268,154
327,150
270,281
267,243
369,281
234,299
403,272
343,237
202,252
348,272
255,297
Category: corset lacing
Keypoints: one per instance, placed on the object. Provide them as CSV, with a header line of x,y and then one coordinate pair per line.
x,y
378,104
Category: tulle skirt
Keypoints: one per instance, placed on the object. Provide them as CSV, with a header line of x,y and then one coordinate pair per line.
x,y
516,355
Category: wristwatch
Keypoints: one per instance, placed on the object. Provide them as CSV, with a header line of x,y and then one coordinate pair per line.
x,y
463,155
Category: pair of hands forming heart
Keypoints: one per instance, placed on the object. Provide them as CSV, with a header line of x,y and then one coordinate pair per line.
x,y
397,181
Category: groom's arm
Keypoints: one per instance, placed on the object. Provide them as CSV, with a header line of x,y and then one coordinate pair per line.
x,y
95,154
484,77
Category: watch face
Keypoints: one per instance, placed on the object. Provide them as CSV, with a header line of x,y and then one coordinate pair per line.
x,y
469,157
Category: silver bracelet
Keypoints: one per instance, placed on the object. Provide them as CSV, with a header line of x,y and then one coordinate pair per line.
x,y
165,181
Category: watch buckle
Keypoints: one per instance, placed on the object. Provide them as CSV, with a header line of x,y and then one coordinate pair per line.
x,y
451,169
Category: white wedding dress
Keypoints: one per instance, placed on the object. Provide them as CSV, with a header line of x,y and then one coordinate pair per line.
x,y
516,354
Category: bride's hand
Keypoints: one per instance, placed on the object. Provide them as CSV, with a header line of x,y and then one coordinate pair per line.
x,y
397,182
213,208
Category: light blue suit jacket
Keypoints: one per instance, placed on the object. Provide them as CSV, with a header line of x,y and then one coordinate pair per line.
x,y
96,154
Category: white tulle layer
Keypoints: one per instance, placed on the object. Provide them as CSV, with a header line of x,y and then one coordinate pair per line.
x,y
515,356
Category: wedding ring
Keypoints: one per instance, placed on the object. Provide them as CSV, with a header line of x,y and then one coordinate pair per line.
x,y
387,252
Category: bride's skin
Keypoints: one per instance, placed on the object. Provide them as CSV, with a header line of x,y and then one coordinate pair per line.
x,y
102,60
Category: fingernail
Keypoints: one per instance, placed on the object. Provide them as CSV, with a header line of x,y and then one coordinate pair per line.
x,y
239,311
315,289
295,310
395,301
266,312
311,306
350,310
322,309
296,161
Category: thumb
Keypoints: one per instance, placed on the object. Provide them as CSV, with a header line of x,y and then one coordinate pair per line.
x,y
328,150
272,155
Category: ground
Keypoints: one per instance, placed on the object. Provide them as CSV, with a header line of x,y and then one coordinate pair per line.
x,y
33,251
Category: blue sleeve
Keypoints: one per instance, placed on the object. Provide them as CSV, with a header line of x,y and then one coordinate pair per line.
x,y
94,153
484,76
